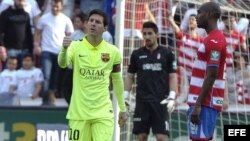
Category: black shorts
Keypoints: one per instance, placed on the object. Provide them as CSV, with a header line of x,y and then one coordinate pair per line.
x,y
150,115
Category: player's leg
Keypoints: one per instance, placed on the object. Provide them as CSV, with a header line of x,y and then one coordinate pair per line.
x,y
79,130
160,124
102,129
141,121
205,130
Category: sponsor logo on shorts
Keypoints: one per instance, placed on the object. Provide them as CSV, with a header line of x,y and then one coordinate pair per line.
x,y
137,119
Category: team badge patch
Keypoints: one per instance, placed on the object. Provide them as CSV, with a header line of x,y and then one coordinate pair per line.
x,y
105,57
174,65
214,55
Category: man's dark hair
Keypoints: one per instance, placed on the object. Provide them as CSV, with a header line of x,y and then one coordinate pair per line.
x,y
151,25
56,1
12,58
82,16
101,13
28,55
213,8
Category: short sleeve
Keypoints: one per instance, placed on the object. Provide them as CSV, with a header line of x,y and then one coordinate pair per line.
x,y
213,51
171,62
40,25
132,64
39,76
118,58
69,26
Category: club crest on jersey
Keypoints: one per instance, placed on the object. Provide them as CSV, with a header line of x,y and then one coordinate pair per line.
x,y
105,57
214,55
158,56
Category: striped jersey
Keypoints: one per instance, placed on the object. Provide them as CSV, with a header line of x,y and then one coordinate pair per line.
x,y
211,54
234,40
187,50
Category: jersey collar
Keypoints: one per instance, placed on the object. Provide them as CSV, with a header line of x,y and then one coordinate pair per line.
x,y
90,46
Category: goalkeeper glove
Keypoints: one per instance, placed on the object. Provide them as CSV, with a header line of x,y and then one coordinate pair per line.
x,y
170,101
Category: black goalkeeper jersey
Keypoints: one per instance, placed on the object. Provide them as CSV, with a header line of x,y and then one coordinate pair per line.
x,y
152,72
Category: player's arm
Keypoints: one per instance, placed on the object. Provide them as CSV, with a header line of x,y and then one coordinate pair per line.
x,y
129,81
207,84
118,86
173,82
172,68
66,53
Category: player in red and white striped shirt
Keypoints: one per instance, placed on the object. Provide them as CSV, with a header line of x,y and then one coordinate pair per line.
x,y
235,40
207,85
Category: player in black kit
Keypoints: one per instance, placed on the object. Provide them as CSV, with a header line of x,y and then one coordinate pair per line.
x,y
156,83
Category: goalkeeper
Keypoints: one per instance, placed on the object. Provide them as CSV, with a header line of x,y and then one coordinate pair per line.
x,y
155,70
94,60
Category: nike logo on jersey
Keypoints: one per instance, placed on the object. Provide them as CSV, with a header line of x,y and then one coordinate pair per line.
x,y
80,55
214,41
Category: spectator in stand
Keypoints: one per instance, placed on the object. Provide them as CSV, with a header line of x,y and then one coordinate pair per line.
x,y
239,88
3,57
68,7
239,23
142,10
30,6
235,41
51,29
15,31
185,21
8,76
80,22
188,43
29,79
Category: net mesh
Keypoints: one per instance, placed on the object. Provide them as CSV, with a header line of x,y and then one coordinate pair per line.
x,y
238,78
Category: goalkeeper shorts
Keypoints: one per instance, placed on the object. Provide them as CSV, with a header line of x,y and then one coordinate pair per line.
x,y
91,130
150,115
205,130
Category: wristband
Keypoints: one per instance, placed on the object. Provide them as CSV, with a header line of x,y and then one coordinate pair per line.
x,y
172,95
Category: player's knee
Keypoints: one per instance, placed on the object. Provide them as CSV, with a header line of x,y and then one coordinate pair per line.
x,y
161,137
142,137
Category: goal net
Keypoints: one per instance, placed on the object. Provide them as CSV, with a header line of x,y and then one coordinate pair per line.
x,y
238,77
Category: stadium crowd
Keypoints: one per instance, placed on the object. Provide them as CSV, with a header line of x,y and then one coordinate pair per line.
x,y
32,33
